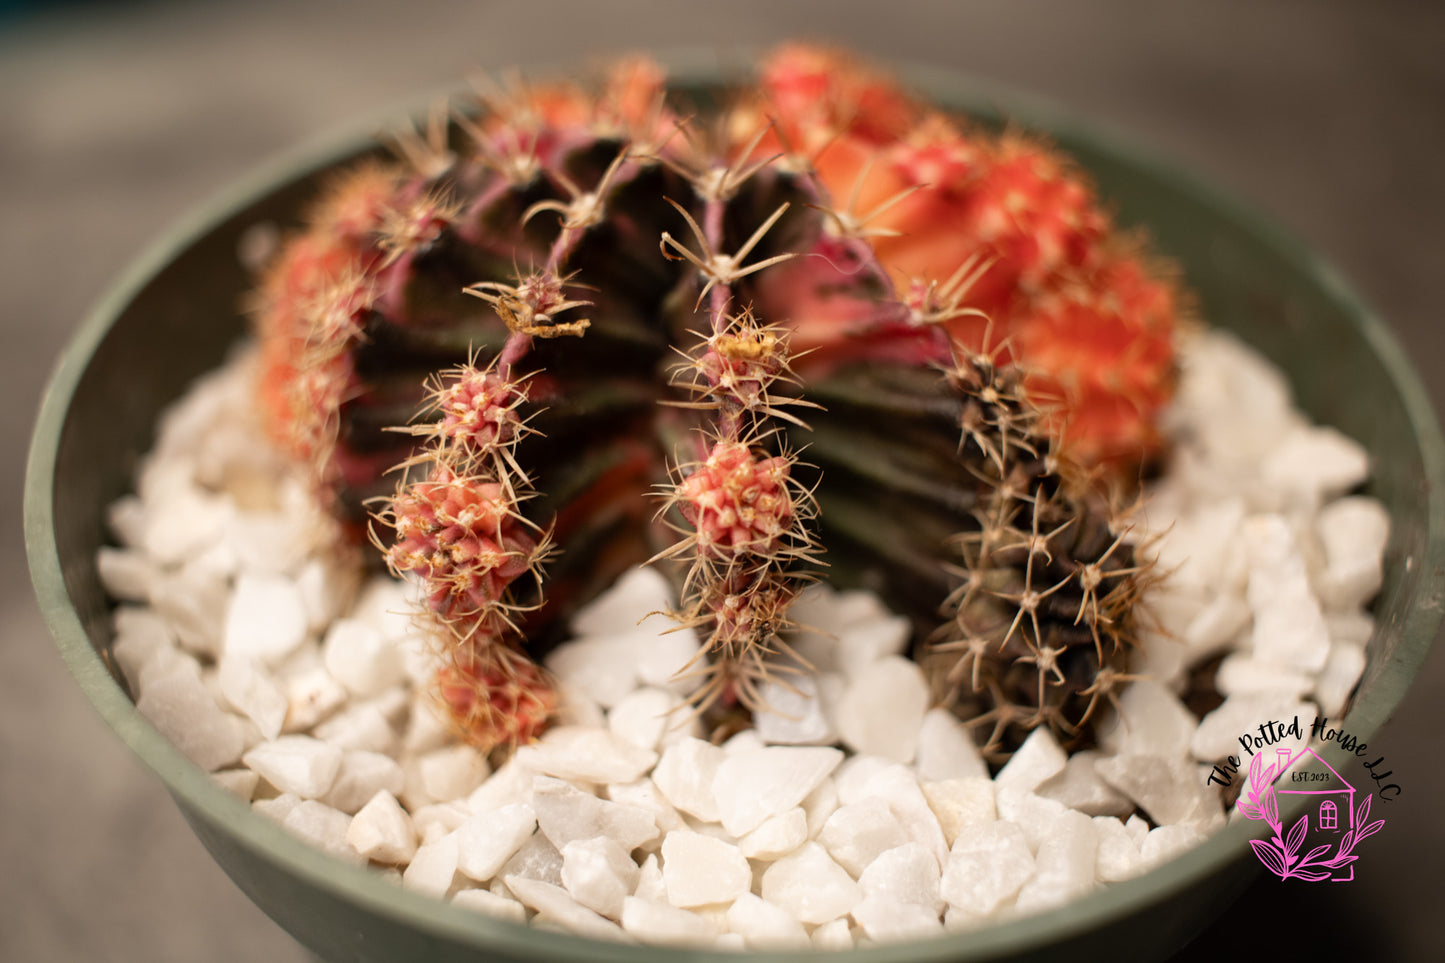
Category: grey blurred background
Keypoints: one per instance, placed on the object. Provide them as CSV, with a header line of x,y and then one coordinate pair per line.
x,y
117,118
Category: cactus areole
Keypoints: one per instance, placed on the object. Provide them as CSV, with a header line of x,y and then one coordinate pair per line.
x,y
822,331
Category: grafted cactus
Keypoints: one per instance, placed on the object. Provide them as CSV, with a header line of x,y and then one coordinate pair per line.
x,y
609,327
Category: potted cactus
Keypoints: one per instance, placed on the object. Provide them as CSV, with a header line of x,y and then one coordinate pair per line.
x,y
812,330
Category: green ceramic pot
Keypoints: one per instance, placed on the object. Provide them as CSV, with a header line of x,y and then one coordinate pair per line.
x,y
175,313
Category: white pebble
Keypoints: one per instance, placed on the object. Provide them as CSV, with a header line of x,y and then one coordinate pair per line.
x,y
239,782
435,820
644,794
188,600
452,772
602,668
1337,680
1219,731
650,885
882,709
599,874
488,839
1242,674
986,867
810,885
363,726
565,813
905,874
180,707
382,831
946,750
490,904
537,859
586,755
184,524
362,776
1064,864
793,713
322,827
1036,760
1168,789
510,784
1117,857
383,603
1151,719
855,834
128,576
1079,786
1314,463
765,926
1166,842
139,634
298,764
640,719
686,774
957,803
885,920
1354,532
777,836
619,610
266,620
326,590
1032,813
251,690
664,924
359,658
833,935
1202,545
898,787
552,902
751,786
125,518
699,869
1289,628
311,693
277,808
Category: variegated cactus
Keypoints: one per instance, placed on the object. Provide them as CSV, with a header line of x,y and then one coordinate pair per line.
x,y
828,329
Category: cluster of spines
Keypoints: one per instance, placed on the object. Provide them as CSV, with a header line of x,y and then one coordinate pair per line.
x,y
748,541
460,531
1043,619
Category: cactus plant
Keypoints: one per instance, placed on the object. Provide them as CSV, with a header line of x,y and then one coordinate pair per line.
x,y
824,326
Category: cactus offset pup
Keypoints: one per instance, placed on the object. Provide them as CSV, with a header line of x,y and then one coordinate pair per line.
x,y
824,329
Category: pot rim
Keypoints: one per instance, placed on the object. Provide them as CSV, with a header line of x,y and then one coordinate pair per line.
x,y
365,887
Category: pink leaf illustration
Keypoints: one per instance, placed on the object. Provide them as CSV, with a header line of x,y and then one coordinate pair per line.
x,y
1362,812
1250,811
1314,854
1256,770
1370,830
1270,806
1311,875
1269,856
1296,835
1341,860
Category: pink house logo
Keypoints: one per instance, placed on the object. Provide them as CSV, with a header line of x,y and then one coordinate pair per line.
x,y
1320,845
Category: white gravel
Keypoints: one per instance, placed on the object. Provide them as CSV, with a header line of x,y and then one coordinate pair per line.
x,y
852,814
